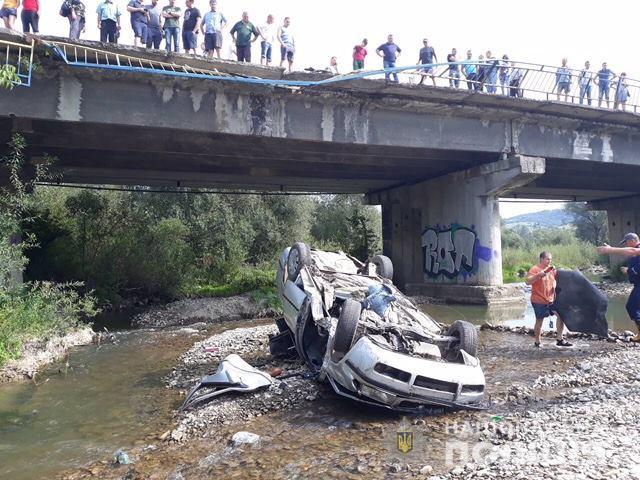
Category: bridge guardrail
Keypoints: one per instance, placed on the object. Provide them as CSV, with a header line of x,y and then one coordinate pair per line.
x,y
20,57
508,78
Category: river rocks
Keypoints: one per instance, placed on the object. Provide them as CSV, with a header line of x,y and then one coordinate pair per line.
x,y
587,432
197,310
244,438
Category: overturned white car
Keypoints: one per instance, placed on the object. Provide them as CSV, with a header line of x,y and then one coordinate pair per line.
x,y
352,326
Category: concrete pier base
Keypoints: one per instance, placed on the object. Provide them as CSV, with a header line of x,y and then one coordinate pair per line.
x,y
443,235
510,294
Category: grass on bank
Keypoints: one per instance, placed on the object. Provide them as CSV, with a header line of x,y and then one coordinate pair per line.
x,y
38,311
516,262
259,282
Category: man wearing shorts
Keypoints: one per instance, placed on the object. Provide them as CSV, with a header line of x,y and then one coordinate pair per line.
x,y
9,13
603,80
630,248
268,34
287,43
212,25
427,57
563,80
139,18
359,54
190,28
542,278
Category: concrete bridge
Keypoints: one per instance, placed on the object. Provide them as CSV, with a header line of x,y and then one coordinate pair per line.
x,y
436,159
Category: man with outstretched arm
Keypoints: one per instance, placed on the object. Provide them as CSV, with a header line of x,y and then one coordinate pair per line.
x,y
542,278
630,250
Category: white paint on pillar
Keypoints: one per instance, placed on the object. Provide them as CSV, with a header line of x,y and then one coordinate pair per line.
x,y
607,151
197,94
69,99
167,94
327,124
581,148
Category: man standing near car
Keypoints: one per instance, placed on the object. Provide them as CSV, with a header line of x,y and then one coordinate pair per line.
x,y
542,278
631,250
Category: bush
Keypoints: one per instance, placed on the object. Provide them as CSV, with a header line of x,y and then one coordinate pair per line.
x,y
37,311
245,280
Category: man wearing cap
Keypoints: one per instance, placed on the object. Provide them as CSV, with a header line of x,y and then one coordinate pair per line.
x,y
631,250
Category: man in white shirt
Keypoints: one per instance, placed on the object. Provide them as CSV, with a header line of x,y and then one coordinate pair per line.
x,y
268,33
585,81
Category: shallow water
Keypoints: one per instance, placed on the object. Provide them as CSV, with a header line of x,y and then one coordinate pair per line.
x,y
521,314
110,397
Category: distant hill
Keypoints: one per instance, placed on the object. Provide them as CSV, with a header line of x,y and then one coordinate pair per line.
x,y
545,218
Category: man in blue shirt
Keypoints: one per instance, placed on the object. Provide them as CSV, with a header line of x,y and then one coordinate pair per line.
x,y
212,25
603,80
139,17
631,250
108,21
427,56
389,52
563,80
154,25
470,70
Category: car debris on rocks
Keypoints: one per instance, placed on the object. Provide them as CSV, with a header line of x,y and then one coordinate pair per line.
x,y
356,330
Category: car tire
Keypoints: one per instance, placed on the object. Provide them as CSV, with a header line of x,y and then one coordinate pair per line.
x,y
299,256
346,328
384,266
467,335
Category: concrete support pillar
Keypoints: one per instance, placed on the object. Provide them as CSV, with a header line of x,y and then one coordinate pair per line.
x,y
623,216
444,233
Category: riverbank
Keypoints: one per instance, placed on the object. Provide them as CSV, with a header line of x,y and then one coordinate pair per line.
x,y
205,309
39,353
317,434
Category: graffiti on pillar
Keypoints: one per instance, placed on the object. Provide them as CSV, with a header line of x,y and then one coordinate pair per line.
x,y
452,251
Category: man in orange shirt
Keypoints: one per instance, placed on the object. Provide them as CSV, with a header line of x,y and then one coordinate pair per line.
x,y
542,278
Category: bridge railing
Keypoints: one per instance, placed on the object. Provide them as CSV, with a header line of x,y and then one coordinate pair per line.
x,y
508,78
20,57
529,80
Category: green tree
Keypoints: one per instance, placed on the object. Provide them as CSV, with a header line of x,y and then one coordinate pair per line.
x,y
591,226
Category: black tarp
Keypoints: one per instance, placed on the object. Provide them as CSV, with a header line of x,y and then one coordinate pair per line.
x,y
581,305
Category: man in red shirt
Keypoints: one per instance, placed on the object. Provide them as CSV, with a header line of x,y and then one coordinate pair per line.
x,y
29,16
542,278
359,54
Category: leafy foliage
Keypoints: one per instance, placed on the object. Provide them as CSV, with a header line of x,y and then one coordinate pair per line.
x,y
9,77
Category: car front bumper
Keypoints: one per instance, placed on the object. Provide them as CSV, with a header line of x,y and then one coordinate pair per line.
x,y
375,375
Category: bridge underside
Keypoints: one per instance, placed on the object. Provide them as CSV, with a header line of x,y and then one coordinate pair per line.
x,y
108,154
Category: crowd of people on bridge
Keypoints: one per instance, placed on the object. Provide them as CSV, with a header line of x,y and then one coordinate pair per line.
x,y
153,23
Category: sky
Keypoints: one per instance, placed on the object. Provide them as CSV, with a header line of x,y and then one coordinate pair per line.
x,y
535,31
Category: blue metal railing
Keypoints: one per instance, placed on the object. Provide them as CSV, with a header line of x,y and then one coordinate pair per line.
x,y
20,57
508,78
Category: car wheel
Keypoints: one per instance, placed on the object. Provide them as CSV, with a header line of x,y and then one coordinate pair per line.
x,y
384,266
467,336
346,328
299,256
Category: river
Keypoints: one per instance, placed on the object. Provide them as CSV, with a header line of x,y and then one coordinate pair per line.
x,y
112,396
